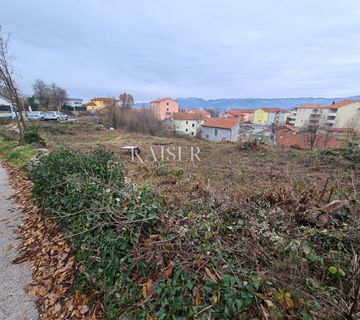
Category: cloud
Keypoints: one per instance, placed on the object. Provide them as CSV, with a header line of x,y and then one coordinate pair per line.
x,y
209,49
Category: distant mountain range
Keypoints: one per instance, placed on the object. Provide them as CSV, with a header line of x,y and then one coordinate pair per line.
x,y
251,103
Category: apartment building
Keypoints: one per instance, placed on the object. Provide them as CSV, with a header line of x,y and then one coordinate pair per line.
x,y
164,108
342,114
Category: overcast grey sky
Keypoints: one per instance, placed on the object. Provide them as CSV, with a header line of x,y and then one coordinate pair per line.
x,y
187,48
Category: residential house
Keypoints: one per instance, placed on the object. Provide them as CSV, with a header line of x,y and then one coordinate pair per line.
x,y
219,129
202,112
243,115
270,116
90,106
187,123
342,114
100,103
164,108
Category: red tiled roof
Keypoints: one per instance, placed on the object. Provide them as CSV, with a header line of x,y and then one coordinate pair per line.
x,y
238,112
187,116
220,123
311,106
161,100
198,111
90,104
341,103
103,99
274,110
302,141
320,106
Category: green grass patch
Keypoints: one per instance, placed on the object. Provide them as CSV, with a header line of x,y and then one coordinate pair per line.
x,y
19,155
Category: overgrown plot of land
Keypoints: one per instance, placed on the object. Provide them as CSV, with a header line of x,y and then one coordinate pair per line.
x,y
268,233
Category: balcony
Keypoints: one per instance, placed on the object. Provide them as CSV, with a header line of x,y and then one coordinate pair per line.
x,y
313,121
315,116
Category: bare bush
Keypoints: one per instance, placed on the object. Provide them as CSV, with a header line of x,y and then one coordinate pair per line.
x,y
133,120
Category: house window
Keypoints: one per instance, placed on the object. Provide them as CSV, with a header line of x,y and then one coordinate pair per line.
x,y
167,103
192,133
167,109
186,130
207,136
193,125
186,122
215,134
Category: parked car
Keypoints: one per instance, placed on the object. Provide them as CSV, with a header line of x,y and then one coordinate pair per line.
x,y
56,115
36,115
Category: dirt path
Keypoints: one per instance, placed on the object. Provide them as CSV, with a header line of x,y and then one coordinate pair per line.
x,y
14,304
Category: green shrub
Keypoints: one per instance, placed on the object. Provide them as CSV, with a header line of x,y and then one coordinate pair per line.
x,y
104,217
351,153
32,136
125,238
109,223
20,155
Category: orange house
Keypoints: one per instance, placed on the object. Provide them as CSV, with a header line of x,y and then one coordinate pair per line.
x,y
164,108
243,115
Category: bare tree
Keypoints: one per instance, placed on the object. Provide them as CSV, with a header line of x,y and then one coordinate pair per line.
x,y
7,81
314,133
41,92
49,96
57,96
126,101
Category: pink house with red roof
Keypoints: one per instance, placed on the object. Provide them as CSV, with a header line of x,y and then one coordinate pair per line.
x,y
164,108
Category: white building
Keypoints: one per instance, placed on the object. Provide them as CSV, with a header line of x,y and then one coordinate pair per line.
x,y
346,114
7,110
219,129
74,102
187,123
343,114
303,115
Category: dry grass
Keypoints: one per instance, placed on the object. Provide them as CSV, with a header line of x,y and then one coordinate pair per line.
x,y
267,191
223,167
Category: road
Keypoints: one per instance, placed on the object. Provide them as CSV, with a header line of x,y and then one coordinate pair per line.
x,y
14,304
